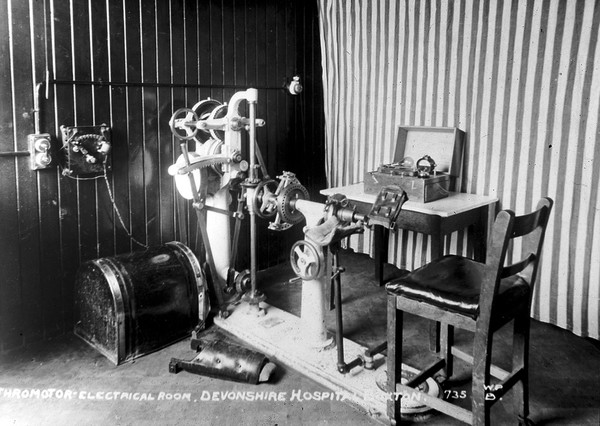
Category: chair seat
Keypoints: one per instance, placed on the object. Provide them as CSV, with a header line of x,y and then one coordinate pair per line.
x,y
453,283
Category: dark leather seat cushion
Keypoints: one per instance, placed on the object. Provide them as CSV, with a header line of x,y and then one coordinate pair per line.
x,y
453,283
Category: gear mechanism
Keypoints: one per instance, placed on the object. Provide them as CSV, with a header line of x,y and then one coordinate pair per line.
x,y
286,202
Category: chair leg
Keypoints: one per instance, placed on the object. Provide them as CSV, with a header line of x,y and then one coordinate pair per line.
x,y
482,350
394,357
520,360
447,341
434,336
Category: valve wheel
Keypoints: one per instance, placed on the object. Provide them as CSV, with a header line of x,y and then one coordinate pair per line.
x,y
180,124
288,194
264,201
307,260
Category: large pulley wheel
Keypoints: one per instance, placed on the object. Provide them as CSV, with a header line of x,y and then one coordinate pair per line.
x,y
203,109
286,203
264,200
183,124
307,260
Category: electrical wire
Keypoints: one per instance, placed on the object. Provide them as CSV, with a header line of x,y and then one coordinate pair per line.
x,y
112,200
116,209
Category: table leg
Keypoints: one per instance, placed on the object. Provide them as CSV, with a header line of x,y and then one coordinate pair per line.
x,y
380,240
480,234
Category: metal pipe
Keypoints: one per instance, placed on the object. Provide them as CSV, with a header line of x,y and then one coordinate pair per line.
x,y
376,350
252,95
36,107
252,99
167,85
14,154
339,332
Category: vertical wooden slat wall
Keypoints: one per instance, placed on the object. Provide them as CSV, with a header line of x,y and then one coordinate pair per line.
x,y
51,223
522,78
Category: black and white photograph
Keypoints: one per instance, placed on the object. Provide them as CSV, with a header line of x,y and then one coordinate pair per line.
x,y
299,212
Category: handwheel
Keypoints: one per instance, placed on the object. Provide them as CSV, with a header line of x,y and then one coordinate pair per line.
x,y
264,201
184,119
307,260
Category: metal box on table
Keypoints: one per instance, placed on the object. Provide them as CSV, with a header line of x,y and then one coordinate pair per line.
x,y
443,144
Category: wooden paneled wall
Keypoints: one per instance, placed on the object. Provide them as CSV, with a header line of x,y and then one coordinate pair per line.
x,y
521,78
51,223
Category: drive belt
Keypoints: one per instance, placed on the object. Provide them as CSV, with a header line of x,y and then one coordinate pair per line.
x,y
199,196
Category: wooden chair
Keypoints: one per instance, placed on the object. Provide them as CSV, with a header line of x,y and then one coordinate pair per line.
x,y
479,297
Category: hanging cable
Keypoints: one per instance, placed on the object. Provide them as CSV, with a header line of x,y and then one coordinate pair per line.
x,y
116,209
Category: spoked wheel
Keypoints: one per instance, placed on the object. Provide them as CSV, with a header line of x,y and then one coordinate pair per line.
x,y
264,201
183,124
307,260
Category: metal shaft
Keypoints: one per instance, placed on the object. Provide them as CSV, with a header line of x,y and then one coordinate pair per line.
x,y
252,178
252,137
339,332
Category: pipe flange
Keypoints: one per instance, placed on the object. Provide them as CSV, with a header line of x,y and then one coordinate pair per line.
x,y
264,200
285,202
307,260
183,124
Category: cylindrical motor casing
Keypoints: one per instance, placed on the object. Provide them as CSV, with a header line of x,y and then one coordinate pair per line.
x,y
133,304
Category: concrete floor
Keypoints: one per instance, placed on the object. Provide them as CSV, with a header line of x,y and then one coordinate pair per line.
x,y
565,374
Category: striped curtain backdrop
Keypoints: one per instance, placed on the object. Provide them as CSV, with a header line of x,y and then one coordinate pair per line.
x,y
521,78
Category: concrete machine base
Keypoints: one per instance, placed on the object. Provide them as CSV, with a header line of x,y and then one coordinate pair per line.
x,y
279,334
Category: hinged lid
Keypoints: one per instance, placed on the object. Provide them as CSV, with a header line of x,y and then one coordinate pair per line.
x,y
443,144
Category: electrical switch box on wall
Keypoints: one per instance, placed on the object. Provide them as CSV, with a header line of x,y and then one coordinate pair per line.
x,y
40,151
86,150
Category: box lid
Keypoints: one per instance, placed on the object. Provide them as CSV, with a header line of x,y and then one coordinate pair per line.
x,y
443,144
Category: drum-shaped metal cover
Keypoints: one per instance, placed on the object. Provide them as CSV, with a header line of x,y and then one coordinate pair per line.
x,y
133,304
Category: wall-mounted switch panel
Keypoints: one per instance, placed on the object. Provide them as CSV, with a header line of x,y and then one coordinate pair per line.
x,y
40,150
86,149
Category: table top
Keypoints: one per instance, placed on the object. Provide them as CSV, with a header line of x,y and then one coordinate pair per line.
x,y
455,203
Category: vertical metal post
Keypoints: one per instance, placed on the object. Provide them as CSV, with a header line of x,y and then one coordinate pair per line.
x,y
339,332
252,177
254,298
252,137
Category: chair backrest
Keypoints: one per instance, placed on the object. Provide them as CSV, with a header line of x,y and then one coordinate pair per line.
x,y
531,228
